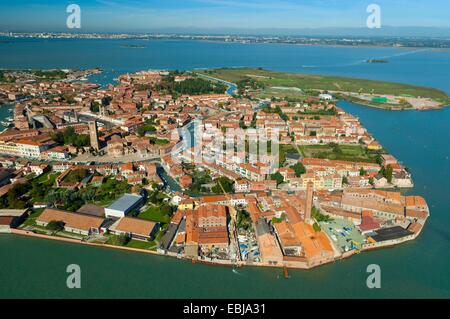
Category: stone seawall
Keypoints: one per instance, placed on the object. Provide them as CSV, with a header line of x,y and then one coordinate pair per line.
x,y
224,263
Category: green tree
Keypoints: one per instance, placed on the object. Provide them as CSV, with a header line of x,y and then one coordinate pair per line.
x,y
362,171
52,198
143,129
319,217
277,177
284,117
81,140
69,137
299,169
58,137
69,133
244,220
16,197
95,107
226,183
388,173
316,227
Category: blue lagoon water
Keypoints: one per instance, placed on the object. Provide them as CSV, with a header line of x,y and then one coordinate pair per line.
x,y
36,268
414,66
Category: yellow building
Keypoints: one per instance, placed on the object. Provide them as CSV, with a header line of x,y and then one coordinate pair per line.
x,y
187,204
374,146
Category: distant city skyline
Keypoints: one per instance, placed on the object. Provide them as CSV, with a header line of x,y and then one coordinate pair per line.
x,y
399,17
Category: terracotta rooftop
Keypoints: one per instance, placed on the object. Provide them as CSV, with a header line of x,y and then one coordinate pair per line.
x,y
135,226
72,220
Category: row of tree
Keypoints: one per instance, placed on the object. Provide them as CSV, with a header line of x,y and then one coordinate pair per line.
x,y
69,137
194,86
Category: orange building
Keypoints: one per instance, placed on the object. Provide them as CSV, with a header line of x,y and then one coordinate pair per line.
x,y
185,181
316,245
207,227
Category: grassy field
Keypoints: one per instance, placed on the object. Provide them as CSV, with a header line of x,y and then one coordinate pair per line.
x,y
132,243
292,95
305,82
352,153
47,178
154,214
140,244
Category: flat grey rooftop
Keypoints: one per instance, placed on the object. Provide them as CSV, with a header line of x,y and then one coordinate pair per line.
x,y
392,233
93,210
168,237
125,202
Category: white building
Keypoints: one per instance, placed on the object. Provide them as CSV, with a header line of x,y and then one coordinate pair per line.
x,y
124,205
9,148
326,97
38,169
31,149
57,153
241,186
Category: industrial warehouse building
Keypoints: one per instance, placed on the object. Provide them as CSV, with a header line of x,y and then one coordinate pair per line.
x,y
73,222
135,228
124,205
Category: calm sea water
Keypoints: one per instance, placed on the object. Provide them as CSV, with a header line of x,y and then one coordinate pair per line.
x,y
36,268
422,67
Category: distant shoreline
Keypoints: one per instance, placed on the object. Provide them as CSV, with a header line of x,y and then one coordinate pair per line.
x,y
353,41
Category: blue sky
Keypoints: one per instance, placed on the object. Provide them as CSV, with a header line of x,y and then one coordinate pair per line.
x,y
147,15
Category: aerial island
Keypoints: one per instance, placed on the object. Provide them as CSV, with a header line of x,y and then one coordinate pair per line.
x,y
105,166
377,61
133,46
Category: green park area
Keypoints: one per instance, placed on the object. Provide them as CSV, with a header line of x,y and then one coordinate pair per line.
x,y
42,189
125,241
271,82
159,214
352,153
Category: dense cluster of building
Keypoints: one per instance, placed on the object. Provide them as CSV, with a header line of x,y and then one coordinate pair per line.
x,y
131,131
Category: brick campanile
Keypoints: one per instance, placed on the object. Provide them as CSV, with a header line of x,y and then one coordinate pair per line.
x,y
309,202
93,132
